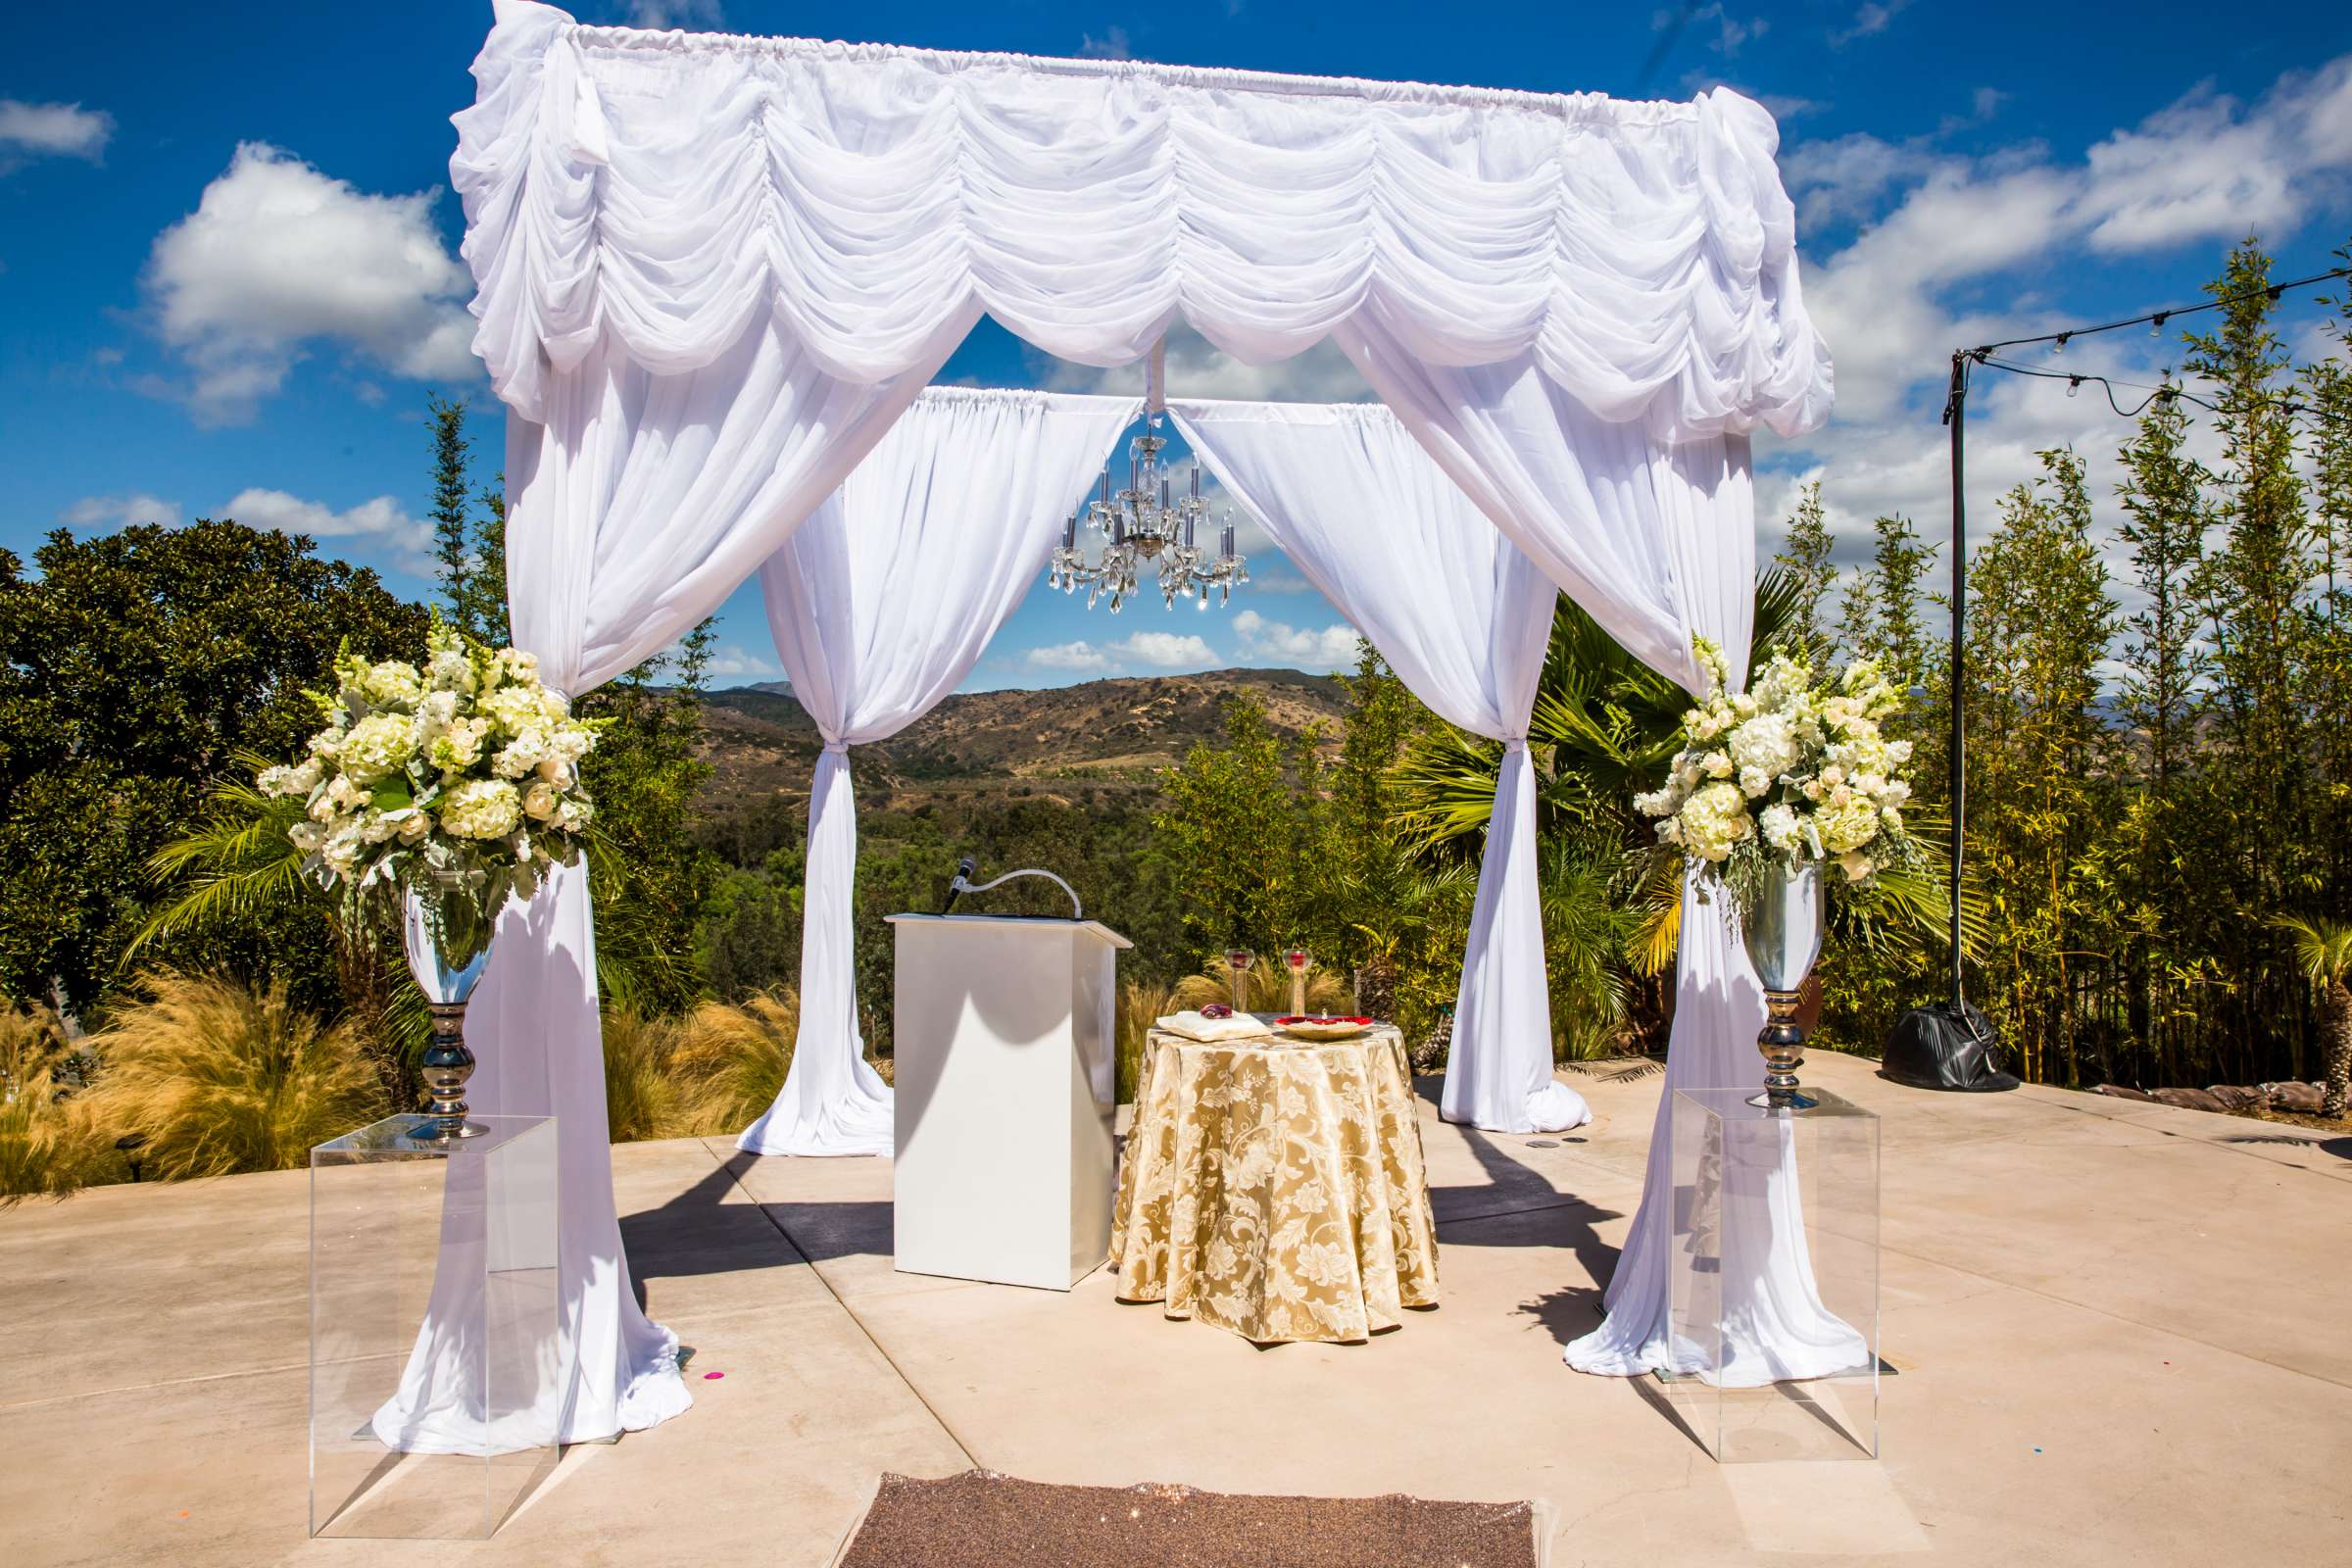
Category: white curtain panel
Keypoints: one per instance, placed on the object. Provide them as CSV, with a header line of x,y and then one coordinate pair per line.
x,y
880,605
1463,618
638,504
1775,1325
664,191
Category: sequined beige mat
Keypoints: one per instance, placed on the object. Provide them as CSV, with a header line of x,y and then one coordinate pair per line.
x,y
980,1519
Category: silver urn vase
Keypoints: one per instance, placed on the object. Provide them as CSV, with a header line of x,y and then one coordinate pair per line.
x,y
1783,934
446,933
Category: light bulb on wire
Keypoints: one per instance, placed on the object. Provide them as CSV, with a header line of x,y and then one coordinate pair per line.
x,y
2074,384
2059,347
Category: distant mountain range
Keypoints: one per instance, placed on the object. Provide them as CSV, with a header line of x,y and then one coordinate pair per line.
x,y
761,741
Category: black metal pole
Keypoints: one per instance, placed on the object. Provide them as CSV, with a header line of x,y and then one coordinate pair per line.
x,y
1956,414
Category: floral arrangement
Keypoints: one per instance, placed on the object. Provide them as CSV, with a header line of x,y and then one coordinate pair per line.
x,y
1794,771
460,778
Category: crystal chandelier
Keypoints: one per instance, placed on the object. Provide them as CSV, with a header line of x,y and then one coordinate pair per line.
x,y
1146,524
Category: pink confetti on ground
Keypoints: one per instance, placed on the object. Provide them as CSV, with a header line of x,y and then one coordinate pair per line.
x,y
708,1376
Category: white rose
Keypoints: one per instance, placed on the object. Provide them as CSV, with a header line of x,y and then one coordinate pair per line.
x,y
415,827
1855,864
540,800
1716,765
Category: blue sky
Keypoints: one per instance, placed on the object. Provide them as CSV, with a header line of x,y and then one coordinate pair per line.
x,y
1962,174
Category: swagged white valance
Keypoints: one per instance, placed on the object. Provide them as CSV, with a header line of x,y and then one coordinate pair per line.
x,y
713,272
667,191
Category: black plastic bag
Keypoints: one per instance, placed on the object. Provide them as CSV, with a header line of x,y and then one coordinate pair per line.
x,y
1946,1045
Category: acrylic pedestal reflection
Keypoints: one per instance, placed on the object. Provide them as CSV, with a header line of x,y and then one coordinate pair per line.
x,y
1773,1277
388,1215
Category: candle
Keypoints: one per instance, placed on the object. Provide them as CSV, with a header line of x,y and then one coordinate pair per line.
x,y
1107,487
1188,530
1069,533
1134,472
1195,481
1229,541
1164,492
1118,527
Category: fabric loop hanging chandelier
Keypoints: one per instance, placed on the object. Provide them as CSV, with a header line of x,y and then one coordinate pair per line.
x,y
1144,525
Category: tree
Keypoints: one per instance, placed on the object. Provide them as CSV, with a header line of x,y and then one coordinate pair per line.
x,y
470,551
2041,754
1806,558
2253,585
1882,606
137,665
2164,521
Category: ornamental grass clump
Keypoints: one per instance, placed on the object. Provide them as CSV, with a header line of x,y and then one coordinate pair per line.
x,y
46,1143
216,1078
1792,773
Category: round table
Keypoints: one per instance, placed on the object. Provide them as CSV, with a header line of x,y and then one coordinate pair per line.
x,y
1275,1187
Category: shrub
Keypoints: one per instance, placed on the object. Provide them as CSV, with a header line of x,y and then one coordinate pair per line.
x,y
1267,988
216,1078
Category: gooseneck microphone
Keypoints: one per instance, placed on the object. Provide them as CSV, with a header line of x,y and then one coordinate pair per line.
x,y
962,882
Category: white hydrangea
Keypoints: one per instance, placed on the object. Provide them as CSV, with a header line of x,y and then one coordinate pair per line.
x,y
1766,744
1847,825
1714,819
481,809
513,709
520,756
460,745
393,683
377,745
1779,826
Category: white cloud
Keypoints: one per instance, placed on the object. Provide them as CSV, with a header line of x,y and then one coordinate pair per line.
x,y
1079,655
1872,18
1329,648
1164,650
278,256
52,131
676,13
737,664
380,522
1112,45
1730,33
120,512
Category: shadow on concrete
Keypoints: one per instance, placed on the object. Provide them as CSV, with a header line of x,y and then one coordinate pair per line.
x,y
1518,1207
2341,1148
700,1232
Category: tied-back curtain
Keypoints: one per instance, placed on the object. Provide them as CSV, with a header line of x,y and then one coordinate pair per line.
x,y
881,603
1774,1322
1463,618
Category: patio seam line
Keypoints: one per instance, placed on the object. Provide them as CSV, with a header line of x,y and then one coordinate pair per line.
x,y
848,1311
2116,1317
141,1388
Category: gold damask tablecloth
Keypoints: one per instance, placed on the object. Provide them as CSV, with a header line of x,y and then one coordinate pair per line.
x,y
1275,1187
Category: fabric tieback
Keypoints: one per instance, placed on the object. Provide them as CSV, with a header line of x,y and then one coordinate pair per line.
x,y
838,748
1513,743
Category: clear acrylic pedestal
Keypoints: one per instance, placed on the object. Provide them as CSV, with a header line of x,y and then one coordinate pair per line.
x,y
437,1366
1773,1277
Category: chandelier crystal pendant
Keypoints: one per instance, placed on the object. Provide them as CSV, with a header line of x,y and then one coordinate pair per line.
x,y
1147,525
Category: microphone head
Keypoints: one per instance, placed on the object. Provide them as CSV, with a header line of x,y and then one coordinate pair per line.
x,y
967,867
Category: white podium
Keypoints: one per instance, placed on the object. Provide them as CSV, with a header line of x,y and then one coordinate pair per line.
x,y
1004,1086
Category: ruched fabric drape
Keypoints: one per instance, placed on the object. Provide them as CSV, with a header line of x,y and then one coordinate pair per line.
x,y
1463,618
710,271
1775,1325
881,603
665,192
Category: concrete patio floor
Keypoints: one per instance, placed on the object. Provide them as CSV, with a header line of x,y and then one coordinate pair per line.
x,y
2121,1328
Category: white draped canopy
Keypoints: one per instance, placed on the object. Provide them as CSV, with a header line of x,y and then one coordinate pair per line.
x,y
1463,618
881,603
713,272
